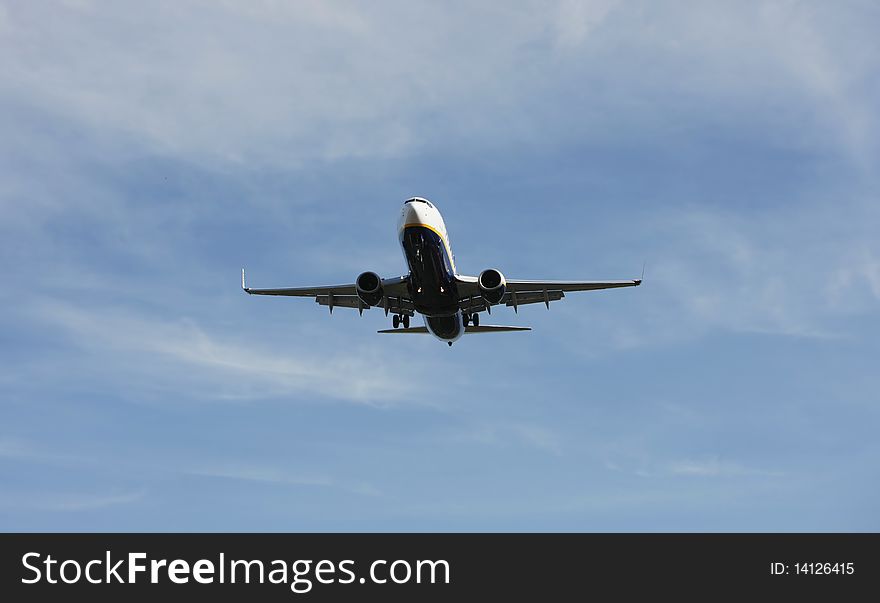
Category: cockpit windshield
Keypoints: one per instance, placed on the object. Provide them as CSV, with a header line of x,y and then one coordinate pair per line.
x,y
419,200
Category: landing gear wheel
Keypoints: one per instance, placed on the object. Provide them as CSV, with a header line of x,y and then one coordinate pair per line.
x,y
396,321
465,318
406,321
475,319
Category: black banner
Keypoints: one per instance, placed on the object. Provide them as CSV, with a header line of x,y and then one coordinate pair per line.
x,y
433,567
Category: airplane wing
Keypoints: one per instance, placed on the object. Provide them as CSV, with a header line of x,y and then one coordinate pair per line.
x,y
344,296
531,286
522,292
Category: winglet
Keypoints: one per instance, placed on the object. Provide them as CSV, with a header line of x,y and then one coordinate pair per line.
x,y
243,286
641,278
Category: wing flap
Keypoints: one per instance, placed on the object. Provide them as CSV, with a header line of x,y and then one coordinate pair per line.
x,y
472,304
342,301
395,305
478,304
515,298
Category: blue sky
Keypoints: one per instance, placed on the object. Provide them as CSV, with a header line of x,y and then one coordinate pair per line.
x,y
147,153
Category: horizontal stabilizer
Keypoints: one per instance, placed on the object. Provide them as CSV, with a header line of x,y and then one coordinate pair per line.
x,y
468,330
409,330
494,329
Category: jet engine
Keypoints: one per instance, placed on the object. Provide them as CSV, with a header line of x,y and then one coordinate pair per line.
x,y
492,285
369,288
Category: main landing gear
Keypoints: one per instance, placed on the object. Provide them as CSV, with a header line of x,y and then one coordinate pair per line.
x,y
400,319
473,319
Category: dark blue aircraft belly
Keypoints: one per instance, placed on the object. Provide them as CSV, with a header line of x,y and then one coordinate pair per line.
x,y
432,286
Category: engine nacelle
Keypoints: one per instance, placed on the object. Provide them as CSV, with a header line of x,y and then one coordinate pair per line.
x,y
492,285
369,288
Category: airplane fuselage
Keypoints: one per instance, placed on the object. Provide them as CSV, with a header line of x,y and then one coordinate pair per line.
x,y
433,285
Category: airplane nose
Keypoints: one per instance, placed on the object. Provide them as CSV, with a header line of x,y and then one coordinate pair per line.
x,y
411,215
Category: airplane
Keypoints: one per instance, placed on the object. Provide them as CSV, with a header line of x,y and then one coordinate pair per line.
x,y
450,303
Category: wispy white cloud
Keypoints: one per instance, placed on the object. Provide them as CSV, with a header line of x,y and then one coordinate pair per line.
x,y
287,83
90,502
14,448
29,451
66,501
795,271
510,433
21,450
265,79
576,19
856,281
827,68
713,468
644,465
172,353
273,475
